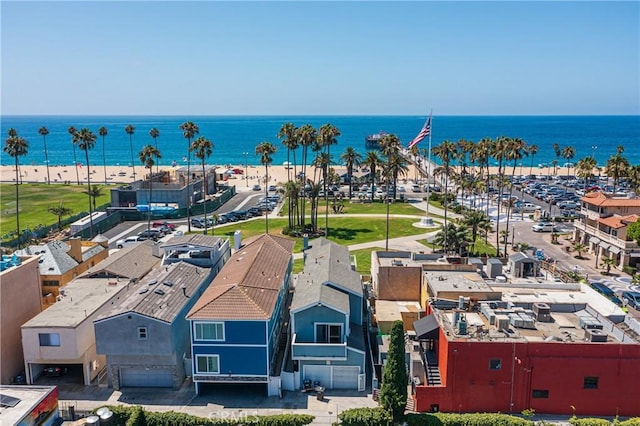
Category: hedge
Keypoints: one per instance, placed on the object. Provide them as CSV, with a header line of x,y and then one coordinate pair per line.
x,y
476,419
137,416
591,421
365,417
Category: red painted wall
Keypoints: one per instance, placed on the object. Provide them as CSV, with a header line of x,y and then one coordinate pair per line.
x,y
469,385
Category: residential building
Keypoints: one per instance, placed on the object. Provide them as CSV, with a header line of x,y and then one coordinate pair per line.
x,y
60,262
238,326
20,300
207,251
602,226
329,330
64,335
145,336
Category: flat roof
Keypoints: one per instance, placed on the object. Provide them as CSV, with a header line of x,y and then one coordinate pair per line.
x,y
457,282
29,396
390,310
79,299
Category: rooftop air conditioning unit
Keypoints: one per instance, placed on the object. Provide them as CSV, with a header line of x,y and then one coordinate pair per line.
x,y
595,335
502,322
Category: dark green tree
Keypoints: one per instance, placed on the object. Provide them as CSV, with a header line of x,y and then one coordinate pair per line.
x,y
393,394
633,231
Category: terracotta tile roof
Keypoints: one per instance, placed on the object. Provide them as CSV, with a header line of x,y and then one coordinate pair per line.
x,y
618,221
247,286
600,199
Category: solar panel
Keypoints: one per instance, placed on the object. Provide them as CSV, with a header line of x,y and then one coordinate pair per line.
x,y
7,401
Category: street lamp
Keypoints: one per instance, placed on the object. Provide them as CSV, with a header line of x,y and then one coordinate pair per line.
x,y
246,167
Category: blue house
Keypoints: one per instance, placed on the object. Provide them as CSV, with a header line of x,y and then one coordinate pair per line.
x,y
328,324
238,325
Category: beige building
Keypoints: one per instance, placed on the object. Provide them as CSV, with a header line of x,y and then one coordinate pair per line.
x,y
60,262
603,227
19,302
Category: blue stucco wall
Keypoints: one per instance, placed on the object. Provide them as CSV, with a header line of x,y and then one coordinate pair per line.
x,y
237,359
239,332
305,320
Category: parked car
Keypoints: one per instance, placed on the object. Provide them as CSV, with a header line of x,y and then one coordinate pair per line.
x,y
55,370
632,298
544,227
127,241
150,234
568,205
160,224
526,207
199,222
256,187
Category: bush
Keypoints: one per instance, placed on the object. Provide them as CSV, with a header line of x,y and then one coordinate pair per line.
x,y
365,417
588,421
634,421
629,269
477,419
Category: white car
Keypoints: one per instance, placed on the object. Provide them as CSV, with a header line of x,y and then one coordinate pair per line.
x,y
127,241
527,208
544,227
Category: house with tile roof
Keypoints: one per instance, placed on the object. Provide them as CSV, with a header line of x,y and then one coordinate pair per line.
x,y
602,226
60,262
238,325
328,320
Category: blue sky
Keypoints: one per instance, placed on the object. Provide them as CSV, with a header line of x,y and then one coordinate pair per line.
x,y
324,58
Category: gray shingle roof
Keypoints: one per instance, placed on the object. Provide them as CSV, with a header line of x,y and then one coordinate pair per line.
x,y
154,299
194,240
54,257
330,262
134,261
310,291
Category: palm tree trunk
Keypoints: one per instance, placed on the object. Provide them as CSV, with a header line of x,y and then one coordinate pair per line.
x,y
86,154
509,204
104,163
204,195
46,158
266,194
133,164
446,205
386,241
75,163
188,190
17,205
149,201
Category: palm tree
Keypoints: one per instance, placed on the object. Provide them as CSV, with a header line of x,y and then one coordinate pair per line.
x,y
95,193
329,136
321,162
292,192
202,148
568,152
155,134
290,134
74,140
579,247
306,138
475,220
103,132
446,152
130,130
148,157
634,178
44,132
60,211
499,148
607,263
189,130
617,167
265,150
16,147
516,149
585,169
351,159
533,150
558,152
86,141
372,161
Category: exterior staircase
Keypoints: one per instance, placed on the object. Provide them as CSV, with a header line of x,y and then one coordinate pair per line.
x,y
410,403
432,369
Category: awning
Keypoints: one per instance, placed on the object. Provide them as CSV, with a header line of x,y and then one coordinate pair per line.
x,y
594,240
426,328
604,246
614,249
634,254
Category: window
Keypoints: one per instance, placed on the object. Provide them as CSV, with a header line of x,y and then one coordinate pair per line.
x,y
328,333
51,283
495,364
208,364
540,393
49,339
590,382
209,331
142,333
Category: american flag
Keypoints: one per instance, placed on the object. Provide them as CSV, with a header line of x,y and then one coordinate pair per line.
x,y
424,132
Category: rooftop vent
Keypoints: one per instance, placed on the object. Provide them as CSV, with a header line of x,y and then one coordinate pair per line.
x,y
143,291
168,283
153,282
159,291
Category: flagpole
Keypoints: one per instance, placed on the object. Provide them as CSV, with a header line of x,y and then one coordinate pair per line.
x,y
427,220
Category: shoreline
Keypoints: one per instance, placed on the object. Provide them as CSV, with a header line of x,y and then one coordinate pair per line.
x,y
62,174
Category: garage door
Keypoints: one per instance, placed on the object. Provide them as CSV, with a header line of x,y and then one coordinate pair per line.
x,y
140,377
321,373
345,377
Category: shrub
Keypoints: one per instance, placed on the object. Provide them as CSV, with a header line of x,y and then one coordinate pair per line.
x,y
588,421
634,421
365,417
477,419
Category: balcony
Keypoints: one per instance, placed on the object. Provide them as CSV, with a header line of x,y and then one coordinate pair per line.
x,y
318,351
604,237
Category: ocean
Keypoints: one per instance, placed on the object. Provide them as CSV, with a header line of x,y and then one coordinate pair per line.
x,y
235,137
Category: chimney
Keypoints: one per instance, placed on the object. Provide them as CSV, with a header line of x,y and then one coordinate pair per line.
x,y
76,249
155,250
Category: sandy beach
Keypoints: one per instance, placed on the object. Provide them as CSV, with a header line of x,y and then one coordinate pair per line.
x,y
123,174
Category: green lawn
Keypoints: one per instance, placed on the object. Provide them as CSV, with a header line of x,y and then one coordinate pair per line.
x,y
35,199
362,208
344,230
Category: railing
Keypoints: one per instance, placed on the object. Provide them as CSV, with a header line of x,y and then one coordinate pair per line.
x,y
603,236
318,350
